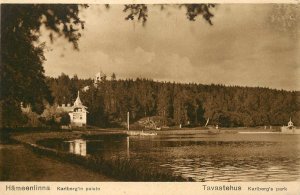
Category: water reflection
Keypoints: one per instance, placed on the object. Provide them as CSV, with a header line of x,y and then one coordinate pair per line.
x,y
78,146
201,157
128,148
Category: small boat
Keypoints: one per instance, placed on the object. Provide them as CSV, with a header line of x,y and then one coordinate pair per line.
x,y
140,133
147,133
290,128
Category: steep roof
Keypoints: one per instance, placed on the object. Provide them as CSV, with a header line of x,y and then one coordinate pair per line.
x,y
78,101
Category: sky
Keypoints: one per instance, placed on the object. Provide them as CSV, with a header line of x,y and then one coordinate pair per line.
x,y
247,45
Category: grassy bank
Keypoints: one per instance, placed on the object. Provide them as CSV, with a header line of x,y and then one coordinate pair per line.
x,y
20,164
121,169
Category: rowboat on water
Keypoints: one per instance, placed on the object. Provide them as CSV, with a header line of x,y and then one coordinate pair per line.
x,y
140,133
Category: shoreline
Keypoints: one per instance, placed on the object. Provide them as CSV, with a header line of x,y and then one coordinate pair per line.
x,y
118,168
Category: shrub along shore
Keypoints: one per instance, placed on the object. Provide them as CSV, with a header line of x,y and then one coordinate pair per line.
x,y
121,169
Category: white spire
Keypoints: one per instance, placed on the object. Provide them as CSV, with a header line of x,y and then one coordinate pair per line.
x,y
290,123
78,101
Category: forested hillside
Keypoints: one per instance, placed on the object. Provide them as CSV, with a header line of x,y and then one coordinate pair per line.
x,y
109,101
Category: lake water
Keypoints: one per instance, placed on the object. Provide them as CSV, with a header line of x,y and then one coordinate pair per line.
x,y
203,157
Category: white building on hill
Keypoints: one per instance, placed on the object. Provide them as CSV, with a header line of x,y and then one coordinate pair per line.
x,y
99,77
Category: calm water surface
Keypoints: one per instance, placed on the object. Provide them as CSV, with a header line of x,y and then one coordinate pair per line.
x,y
203,157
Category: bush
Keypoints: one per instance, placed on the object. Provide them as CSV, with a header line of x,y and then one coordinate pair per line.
x,y
65,119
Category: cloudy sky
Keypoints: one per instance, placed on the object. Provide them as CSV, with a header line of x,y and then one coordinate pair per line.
x,y
247,45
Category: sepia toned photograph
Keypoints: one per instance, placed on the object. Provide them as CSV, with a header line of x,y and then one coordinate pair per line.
x,y
150,92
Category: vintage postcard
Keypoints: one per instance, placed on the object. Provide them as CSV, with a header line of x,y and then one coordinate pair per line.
x,y
132,97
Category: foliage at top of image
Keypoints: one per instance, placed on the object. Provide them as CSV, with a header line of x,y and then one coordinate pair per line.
x,y
194,10
140,11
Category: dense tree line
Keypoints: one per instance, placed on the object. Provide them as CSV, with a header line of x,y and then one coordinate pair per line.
x,y
191,104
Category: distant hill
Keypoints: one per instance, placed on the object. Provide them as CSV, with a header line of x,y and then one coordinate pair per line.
x,y
108,102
